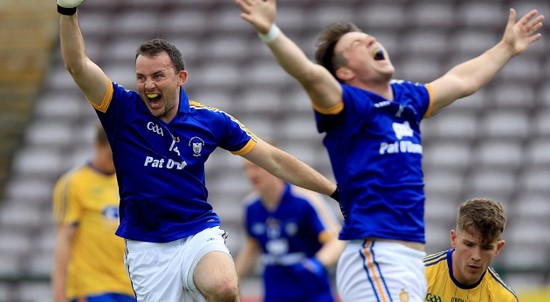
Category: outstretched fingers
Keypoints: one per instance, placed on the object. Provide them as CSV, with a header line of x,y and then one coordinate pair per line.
x,y
519,35
244,5
259,13
535,24
530,24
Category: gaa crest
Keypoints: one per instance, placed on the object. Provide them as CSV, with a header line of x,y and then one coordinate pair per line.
x,y
196,144
404,296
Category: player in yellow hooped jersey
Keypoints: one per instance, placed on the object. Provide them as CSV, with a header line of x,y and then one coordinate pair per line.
x,y
463,274
88,260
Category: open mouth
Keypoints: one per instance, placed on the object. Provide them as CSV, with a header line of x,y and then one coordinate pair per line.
x,y
153,98
378,54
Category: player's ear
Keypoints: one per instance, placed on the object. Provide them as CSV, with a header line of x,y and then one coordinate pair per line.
x,y
344,74
182,77
500,245
453,238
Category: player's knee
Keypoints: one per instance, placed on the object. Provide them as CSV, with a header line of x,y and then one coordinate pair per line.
x,y
225,290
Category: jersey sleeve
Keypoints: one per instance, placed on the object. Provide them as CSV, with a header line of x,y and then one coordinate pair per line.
x,y
238,139
66,207
319,216
247,222
356,104
420,96
115,107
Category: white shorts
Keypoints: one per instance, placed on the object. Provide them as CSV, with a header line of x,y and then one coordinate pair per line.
x,y
163,272
380,271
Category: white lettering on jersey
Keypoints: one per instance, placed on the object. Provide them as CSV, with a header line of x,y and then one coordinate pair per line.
x,y
402,130
400,147
155,128
174,148
159,163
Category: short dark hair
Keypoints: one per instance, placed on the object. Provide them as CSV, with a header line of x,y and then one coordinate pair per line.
x,y
483,217
155,46
324,53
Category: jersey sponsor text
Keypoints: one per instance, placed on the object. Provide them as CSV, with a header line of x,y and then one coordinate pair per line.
x,y
160,163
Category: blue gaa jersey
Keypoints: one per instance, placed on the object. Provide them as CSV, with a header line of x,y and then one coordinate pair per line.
x,y
160,167
376,154
287,235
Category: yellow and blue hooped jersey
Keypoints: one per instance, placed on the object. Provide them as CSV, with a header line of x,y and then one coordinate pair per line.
x,y
160,167
442,286
375,150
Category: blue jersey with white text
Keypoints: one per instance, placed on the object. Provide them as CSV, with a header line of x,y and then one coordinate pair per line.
x,y
376,155
295,230
160,166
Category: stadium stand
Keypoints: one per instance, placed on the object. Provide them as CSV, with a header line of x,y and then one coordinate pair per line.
x,y
495,143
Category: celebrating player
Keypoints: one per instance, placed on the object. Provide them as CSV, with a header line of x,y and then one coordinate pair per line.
x,y
161,140
372,127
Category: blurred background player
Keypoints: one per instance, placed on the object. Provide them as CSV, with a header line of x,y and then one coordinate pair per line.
x,y
295,233
372,123
463,272
88,257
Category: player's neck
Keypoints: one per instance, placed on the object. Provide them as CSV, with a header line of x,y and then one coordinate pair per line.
x,y
382,89
103,166
271,198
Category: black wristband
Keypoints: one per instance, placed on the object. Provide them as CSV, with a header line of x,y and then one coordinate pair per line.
x,y
336,194
67,11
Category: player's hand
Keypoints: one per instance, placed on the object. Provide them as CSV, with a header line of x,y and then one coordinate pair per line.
x,y
259,13
68,7
519,35
314,266
336,194
310,266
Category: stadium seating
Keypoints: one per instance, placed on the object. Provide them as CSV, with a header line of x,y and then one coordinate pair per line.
x,y
495,143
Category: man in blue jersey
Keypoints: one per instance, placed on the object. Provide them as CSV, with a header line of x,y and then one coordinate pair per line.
x,y
296,234
175,249
372,127
463,272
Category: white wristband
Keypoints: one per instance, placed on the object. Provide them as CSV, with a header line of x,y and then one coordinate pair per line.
x,y
271,34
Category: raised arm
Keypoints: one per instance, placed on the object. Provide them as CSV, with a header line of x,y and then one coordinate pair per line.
x,y
88,76
289,168
470,76
322,88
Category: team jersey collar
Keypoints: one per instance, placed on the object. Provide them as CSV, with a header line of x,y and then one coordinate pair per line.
x,y
378,99
282,199
458,284
184,102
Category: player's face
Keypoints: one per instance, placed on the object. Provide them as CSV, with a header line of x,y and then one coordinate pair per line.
x,y
260,179
471,257
158,84
367,60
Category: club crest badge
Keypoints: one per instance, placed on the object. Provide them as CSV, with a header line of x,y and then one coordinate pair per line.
x,y
196,143
404,296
